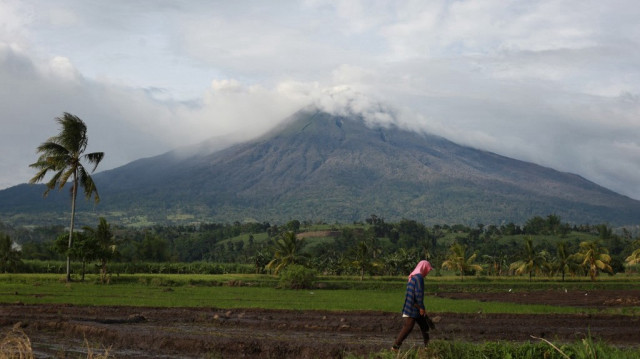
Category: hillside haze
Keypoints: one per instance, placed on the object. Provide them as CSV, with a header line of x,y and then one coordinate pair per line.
x,y
317,166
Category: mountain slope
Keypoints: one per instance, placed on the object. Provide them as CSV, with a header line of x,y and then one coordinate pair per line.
x,y
321,167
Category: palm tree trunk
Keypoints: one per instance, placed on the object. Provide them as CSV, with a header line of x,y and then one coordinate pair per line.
x,y
74,192
84,265
103,271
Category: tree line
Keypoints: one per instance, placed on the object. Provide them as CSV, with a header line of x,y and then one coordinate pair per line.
x,y
542,246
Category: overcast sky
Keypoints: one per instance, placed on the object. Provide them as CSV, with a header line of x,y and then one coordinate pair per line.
x,y
552,82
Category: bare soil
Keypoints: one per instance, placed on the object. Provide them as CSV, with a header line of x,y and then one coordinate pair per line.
x,y
59,331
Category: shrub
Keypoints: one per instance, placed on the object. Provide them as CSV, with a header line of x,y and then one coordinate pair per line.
x,y
297,277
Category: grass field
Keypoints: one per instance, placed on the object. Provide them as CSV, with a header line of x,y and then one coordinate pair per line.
x,y
259,291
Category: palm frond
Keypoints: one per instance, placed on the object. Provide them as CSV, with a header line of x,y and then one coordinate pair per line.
x,y
94,158
86,181
634,258
53,182
51,148
40,174
74,133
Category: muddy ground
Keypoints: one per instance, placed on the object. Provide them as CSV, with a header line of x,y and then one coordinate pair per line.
x,y
135,332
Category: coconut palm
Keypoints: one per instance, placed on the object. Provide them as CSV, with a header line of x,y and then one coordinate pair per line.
x,y
287,250
105,245
495,263
363,256
594,257
563,262
365,253
63,155
531,262
457,260
634,258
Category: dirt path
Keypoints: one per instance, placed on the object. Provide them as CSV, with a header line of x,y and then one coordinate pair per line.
x,y
134,332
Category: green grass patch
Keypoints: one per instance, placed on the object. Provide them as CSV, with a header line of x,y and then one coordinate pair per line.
x,y
245,291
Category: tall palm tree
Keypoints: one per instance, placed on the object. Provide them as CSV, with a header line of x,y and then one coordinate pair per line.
x,y
287,250
531,262
63,155
457,260
594,257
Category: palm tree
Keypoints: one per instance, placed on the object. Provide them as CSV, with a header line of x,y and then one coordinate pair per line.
x,y
634,258
364,257
594,257
63,155
287,250
105,245
365,252
563,262
458,261
495,263
531,261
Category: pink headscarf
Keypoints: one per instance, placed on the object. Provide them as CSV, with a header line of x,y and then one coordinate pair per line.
x,y
423,267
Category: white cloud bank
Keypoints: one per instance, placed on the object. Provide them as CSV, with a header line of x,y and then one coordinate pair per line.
x,y
552,82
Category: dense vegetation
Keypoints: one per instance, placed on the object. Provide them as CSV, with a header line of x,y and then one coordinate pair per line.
x,y
542,246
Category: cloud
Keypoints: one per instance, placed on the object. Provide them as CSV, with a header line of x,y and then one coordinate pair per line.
x,y
14,19
126,123
552,82
33,94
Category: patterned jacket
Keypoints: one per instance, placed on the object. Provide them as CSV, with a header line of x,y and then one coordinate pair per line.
x,y
414,299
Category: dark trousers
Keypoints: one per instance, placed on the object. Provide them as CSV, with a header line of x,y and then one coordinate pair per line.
x,y
407,327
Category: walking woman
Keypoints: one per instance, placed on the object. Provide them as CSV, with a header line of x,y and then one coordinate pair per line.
x,y
413,311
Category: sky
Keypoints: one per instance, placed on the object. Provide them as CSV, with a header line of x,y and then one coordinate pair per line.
x,y
552,82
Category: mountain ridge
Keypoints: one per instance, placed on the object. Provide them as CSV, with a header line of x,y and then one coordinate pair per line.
x,y
317,166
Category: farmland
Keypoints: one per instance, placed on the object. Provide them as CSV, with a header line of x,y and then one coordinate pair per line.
x,y
197,316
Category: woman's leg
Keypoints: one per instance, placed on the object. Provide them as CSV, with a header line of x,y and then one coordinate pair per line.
x,y
407,327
